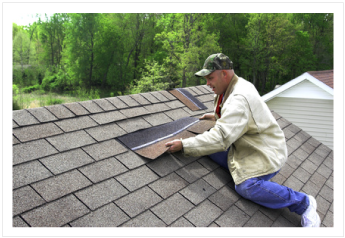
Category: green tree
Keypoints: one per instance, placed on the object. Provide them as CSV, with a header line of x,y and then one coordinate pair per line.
x,y
23,49
82,34
187,43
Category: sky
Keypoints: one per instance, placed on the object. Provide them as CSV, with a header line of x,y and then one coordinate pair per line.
x,y
27,18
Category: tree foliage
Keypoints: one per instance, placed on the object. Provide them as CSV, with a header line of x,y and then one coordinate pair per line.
x,y
126,53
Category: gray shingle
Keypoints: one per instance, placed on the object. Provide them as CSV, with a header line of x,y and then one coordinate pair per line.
x,y
247,206
160,96
100,194
327,193
140,99
158,107
77,123
31,151
205,98
57,213
71,140
177,114
168,185
309,166
302,175
55,187
128,100
66,161
117,102
133,124
15,140
146,219
105,149
218,178
294,144
27,173
192,172
203,214
328,221
91,106
150,97
137,178
282,222
103,169
35,132
134,112
106,132
60,111
131,160
197,191
76,108
107,117
282,122
157,119
311,188
165,164
104,104
175,104
302,136
19,222
138,201
182,222
24,118
196,90
324,171
168,95
107,216
323,151
322,205
42,114
293,183
288,134
293,161
233,217
25,199
259,220
318,179
14,124
224,197
172,208
208,163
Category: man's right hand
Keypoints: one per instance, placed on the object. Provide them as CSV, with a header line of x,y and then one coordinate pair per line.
x,y
208,116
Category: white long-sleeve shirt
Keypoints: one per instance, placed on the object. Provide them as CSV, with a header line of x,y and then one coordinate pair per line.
x,y
258,145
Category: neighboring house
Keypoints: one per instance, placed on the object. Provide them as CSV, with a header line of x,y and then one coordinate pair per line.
x,y
71,170
307,101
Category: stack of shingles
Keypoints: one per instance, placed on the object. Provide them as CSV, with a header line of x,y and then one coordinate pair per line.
x,y
62,152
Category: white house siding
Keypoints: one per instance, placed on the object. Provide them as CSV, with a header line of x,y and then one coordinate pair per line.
x,y
314,116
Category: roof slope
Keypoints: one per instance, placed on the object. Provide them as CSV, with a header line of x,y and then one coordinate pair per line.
x,y
325,76
70,170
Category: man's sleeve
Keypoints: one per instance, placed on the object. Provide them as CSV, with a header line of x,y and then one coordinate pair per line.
x,y
231,126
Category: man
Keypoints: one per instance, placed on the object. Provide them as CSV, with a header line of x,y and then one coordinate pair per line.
x,y
247,140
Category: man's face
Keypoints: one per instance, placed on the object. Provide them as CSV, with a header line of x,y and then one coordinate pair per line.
x,y
216,81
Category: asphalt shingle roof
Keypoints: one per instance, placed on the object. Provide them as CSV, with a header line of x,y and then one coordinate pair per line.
x,y
69,169
325,76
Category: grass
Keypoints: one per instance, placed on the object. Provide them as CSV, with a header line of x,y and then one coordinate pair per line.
x,y
36,99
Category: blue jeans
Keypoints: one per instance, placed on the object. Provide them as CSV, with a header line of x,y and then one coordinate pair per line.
x,y
266,193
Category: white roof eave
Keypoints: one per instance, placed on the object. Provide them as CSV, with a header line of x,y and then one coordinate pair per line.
x,y
291,83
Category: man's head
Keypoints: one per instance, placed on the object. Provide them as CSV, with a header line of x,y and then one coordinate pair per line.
x,y
218,71
215,62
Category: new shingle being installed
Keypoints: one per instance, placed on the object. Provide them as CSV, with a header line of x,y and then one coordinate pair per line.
x,y
150,142
188,99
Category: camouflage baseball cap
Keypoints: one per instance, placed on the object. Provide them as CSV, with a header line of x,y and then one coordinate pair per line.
x,y
215,62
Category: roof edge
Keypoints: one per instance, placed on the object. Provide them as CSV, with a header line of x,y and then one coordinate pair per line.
x,y
295,81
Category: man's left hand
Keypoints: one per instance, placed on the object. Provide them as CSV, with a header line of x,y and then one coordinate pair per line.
x,y
174,146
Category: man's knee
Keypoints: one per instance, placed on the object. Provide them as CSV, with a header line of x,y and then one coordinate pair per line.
x,y
245,189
